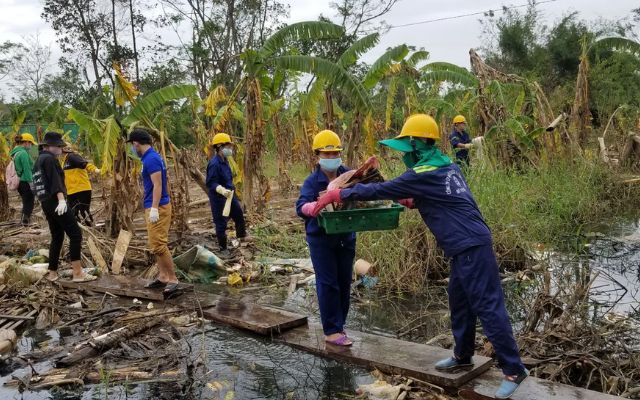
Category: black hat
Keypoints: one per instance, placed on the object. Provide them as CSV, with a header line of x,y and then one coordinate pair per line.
x,y
139,135
53,139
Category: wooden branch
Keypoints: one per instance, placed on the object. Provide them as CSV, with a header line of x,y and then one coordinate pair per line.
x,y
106,341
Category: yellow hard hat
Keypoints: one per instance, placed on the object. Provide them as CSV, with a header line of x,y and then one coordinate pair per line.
x,y
327,141
220,138
420,125
459,119
27,137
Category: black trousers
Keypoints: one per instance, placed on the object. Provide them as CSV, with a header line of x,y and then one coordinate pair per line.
x,y
80,205
59,225
24,189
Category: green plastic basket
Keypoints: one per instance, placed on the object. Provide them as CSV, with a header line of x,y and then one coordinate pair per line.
x,y
361,219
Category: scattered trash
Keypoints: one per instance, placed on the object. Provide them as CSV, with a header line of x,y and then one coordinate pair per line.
x,y
68,273
368,281
198,264
136,301
361,267
380,390
234,279
150,306
76,305
8,341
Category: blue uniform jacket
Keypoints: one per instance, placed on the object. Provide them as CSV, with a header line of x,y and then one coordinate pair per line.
x,y
219,173
443,199
456,138
311,188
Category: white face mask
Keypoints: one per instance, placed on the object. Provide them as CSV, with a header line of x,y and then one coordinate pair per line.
x,y
330,164
227,152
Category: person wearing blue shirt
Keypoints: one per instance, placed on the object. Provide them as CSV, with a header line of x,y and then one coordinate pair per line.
x,y
436,187
461,140
221,188
331,255
157,209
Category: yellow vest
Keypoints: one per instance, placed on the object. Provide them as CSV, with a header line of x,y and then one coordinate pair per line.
x,y
76,178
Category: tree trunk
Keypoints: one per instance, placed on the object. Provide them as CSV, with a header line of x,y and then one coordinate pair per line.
x,y
254,148
133,38
353,142
283,154
329,121
4,195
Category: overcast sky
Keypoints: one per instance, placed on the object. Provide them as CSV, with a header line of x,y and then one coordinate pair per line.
x,y
448,40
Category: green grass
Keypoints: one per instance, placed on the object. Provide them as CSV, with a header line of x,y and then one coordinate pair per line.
x,y
547,206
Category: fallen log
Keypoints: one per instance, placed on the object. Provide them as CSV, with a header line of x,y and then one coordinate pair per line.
x,y
106,341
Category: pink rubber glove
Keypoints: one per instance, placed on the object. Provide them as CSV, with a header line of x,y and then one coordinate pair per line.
x,y
332,196
307,208
409,203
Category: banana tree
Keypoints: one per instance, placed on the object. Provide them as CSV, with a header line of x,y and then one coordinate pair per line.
x,y
108,137
257,64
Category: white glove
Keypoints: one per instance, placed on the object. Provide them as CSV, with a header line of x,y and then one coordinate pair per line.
x,y
96,171
62,207
467,145
224,191
478,140
154,215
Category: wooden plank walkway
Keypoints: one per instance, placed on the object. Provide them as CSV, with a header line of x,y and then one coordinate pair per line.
x,y
484,386
389,355
259,319
121,285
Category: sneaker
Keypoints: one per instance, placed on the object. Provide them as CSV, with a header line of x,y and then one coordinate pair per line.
x,y
453,363
510,384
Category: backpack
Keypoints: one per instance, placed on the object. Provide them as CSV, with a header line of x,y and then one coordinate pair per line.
x,y
11,177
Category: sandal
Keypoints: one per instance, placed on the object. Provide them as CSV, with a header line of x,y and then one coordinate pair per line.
x,y
155,284
171,290
343,341
84,278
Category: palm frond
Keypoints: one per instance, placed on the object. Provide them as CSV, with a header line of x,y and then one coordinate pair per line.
x,y
392,90
110,135
447,72
617,43
151,102
380,66
306,30
361,46
331,72
418,57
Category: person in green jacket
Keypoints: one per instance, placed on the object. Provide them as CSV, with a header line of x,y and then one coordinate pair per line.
x,y
24,164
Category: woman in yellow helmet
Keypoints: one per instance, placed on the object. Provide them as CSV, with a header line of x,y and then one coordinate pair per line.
x,y
221,187
461,141
436,187
332,255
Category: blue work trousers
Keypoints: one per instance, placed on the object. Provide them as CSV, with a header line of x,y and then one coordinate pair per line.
x,y
236,214
332,259
475,292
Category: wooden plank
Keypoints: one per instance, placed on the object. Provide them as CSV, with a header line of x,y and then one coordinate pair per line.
x,y
121,285
120,251
256,318
17,324
485,385
16,317
97,256
389,355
